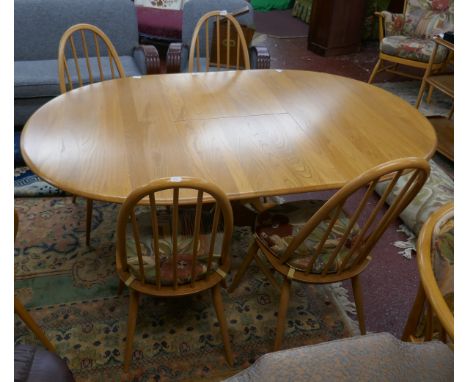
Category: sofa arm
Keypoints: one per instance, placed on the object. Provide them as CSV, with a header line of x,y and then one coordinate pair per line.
x,y
259,57
174,57
147,59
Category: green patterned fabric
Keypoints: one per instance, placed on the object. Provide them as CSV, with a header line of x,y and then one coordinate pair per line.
x,y
302,9
278,226
437,191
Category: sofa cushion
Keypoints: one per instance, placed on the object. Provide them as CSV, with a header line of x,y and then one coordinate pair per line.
x,y
39,24
35,79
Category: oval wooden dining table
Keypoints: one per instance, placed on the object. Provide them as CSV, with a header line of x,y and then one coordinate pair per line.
x,y
253,133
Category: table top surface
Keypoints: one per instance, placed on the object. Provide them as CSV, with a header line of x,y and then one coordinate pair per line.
x,y
253,133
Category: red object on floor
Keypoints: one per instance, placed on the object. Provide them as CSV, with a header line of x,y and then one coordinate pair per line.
x,y
160,23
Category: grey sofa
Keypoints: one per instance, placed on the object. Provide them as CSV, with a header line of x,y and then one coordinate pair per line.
x,y
39,25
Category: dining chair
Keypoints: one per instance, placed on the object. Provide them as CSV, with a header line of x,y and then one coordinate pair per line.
x,y
86,55
222,54
406,38
21,311
318,242
175,250
432,315
214,38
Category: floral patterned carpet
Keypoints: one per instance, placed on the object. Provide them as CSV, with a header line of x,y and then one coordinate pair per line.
x,y
71,290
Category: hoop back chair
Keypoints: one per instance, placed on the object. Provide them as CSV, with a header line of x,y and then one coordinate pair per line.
x,y
211,24
405,38
432,312
90,51
21,311
171,251
317,242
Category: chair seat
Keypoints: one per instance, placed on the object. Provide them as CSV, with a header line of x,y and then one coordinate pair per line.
x,y
40,78
276,228
184,248
416,49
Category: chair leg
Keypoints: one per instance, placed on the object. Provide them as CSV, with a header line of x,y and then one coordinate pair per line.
x,y
245,263
282,310
359,304
450,115
415,314
420,94
266,271
218,305
429,94
74,199
21,311
374,71
131,324
89,216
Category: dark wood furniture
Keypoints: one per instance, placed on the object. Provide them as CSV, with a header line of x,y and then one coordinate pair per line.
x,y
336,26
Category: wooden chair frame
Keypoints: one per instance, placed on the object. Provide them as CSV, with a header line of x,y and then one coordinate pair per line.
x,y
195,43
21,311
211,280
396,61
66,82
429,290
358,257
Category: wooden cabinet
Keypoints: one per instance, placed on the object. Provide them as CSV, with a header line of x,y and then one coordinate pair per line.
x,y
336,26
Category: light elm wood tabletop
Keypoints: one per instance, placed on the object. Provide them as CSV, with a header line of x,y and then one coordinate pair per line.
x,y
253,133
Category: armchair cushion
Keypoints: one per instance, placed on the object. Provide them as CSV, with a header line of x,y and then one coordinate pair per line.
x,y
393,23
277,227
425,18
412,48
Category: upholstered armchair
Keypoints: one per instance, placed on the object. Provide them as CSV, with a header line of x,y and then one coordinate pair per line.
x,y
177,54
405,39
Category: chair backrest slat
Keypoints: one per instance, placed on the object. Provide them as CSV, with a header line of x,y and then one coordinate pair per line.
x,y
98,56
175,231
196,234
325,236
66,76
155,230
214,231
136,235
211,21
86,54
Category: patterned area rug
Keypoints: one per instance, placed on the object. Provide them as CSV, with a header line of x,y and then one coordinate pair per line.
x,y
71,290
409,90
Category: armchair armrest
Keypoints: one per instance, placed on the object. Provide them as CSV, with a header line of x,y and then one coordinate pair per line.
x,y
173,57
259,57
147,59
390,24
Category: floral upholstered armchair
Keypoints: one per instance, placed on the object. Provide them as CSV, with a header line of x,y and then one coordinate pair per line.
x,y
405,38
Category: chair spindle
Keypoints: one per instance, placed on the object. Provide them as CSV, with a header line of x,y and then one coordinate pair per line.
x,y
175,223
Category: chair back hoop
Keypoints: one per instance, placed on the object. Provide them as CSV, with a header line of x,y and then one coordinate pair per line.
x,y
100,50
373,220
207,194
432,290
241,43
